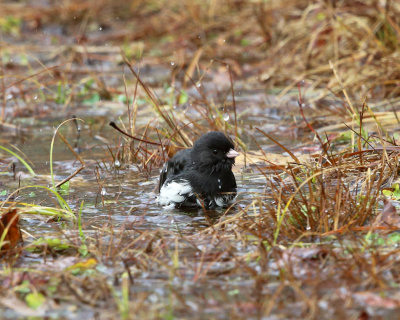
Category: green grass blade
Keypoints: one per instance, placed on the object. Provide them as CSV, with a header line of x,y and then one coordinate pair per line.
x,y
26,165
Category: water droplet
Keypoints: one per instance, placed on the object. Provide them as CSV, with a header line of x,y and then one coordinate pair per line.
x,y
117,164
103,191
100,28
172,63
226,116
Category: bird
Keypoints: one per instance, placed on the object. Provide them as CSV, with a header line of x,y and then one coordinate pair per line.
x,y
200,176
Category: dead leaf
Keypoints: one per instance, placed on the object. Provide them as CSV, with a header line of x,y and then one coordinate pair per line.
x,y
363,315
9,225
376,301
247,307
388,217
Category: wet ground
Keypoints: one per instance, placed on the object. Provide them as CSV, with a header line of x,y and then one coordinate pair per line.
x,y
141,260
122,198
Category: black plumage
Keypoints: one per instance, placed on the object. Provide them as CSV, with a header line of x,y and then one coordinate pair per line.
x,y
202,175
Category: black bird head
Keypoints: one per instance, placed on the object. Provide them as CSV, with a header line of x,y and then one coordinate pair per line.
x,y
214,151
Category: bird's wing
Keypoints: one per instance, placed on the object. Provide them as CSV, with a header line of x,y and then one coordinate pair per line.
x,y
176,165
163,176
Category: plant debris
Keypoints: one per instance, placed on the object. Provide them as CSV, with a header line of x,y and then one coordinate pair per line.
x,y
308,91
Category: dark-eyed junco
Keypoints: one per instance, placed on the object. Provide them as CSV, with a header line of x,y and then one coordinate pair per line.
x,y
200,176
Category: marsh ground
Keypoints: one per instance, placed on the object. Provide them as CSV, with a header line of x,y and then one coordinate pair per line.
x,y
308,90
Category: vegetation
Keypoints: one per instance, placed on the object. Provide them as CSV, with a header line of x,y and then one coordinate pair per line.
x,y
309,92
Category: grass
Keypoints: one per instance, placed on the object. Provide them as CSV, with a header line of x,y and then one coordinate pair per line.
x,y
26,165
312,240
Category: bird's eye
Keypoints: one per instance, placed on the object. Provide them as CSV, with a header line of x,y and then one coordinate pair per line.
x,y
215,151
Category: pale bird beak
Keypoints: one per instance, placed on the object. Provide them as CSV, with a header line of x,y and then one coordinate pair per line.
x,y
232,154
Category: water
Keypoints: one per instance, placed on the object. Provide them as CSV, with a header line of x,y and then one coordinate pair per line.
x,y
173,256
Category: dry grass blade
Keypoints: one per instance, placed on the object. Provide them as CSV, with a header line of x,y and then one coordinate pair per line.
x,y
112,124
168,120
78,157
280,145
